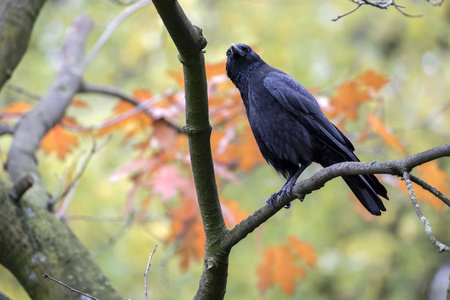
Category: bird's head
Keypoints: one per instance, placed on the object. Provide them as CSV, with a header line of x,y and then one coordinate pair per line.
x,y
241,59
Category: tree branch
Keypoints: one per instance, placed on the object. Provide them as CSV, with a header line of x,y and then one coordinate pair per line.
x,y
69,287
146,271
430,188
35,124
318,180
429,231
112,26
384,4
17,18
190,43
115,92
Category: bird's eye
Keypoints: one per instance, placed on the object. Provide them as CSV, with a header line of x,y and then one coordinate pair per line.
x,y
228,52
247,50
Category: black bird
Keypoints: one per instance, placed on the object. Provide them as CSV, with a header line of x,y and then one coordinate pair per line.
x,y
291,129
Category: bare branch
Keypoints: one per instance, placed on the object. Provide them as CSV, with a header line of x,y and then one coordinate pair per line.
x,y
19,188
69,192
6,129
115,92
146,271
431,189
429,231
68,287
112,26
384,4
23,91
33,126
346,14
318,180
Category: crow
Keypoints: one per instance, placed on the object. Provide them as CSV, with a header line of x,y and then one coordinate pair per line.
x,y
290,128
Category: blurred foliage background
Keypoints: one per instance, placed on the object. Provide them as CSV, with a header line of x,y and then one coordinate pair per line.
x,y
388,257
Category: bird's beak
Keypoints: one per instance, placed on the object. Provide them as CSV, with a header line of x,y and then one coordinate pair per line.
x,y
235,50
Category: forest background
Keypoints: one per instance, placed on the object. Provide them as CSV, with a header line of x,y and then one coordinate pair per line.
x,y
356,256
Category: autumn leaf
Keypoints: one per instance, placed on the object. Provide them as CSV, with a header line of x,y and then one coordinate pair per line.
x,y
281,265
13,111
231,212
128,117
187,229
167,181
385,133
60,141
436,177
303,250
349,97
78,103
373,80
230,147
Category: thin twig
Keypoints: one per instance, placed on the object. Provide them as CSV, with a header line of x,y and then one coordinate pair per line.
x,y
146,271
384,4
21,90
69,287
112,26
69,192
115,92
430,188
429,231
346,14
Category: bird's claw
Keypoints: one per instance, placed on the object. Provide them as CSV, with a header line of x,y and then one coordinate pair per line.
x,y
275,198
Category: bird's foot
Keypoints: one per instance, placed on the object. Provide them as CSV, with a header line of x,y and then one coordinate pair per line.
x,y
275,198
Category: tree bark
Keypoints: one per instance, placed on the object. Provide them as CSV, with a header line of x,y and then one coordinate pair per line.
x,y
17,18
190,43
32,240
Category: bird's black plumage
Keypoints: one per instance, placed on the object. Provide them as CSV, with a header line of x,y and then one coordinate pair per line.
x,y
290,128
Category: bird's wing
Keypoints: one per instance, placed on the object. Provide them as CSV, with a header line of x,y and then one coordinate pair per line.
x,y
298,101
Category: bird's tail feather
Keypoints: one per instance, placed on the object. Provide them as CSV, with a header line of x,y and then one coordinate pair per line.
x,y
366,188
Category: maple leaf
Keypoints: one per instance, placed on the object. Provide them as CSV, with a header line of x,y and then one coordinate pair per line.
x,y
13,111
60,141
385,133
187,229
436,177
280,265
128,117
349,97
78,103
231,212
167,181
303,250
373,80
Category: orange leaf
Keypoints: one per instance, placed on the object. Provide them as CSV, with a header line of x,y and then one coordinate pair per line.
x,y
231,212
385,133
303,251
133,123
373,80
279,267
215,69
433,175
349,97
78,103
60,141
187,228
16,109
